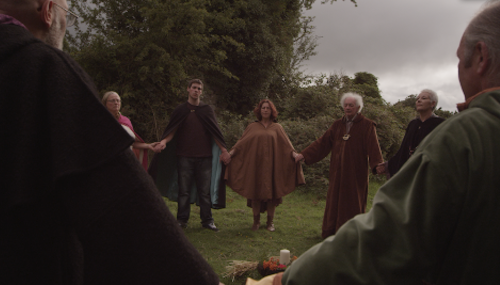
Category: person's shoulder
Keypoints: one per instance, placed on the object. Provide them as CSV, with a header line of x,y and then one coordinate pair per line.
x,y
181,106
277,125
436,118
465,123
365,121
44,52
414,121
125,118
29,57
338,121
31,48
179,110
206,109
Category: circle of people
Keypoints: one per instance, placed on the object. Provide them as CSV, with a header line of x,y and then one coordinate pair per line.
x,y
74,200
263,165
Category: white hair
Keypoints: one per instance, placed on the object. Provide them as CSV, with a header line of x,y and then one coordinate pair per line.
x,y
357,97
485,27
106,95
433,96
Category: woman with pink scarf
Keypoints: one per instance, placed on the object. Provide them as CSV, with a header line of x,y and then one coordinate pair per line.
x,y
111,100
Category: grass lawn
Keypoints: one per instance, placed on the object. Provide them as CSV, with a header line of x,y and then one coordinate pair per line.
x,y
298,227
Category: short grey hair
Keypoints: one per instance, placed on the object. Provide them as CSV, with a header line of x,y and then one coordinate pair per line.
x,y
485,27
433,95
357,97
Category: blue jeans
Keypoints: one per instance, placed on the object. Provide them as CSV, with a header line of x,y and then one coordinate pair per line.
x,y
199,170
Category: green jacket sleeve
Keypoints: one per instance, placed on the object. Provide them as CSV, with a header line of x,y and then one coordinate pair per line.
x,y
406,232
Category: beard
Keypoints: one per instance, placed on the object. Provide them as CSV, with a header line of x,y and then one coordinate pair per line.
x,y
55,36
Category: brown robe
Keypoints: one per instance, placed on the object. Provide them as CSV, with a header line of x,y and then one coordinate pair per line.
x,y
349,163
262,167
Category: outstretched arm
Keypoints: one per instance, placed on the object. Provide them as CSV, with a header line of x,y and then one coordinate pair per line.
x,y
225,157
318,149
163,143
398,240
148,146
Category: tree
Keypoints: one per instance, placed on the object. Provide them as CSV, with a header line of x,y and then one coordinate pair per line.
x,y
367,84
268,36
146,50
444,113
409,101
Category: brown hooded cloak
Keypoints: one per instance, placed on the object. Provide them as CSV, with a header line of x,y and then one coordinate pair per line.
x,y
349,164
262,167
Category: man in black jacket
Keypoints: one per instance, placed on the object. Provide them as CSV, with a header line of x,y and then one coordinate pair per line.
x,y
75,206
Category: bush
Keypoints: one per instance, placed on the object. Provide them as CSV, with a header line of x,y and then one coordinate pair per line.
x,y
309,111
302,133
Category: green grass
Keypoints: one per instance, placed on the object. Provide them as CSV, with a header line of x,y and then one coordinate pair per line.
x,y
298,227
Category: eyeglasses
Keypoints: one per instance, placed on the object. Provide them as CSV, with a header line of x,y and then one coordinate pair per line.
x,y
70,16
114,100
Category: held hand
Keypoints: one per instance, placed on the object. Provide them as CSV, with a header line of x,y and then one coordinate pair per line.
x,y
159,147
152,146
298,157
381,168
225,157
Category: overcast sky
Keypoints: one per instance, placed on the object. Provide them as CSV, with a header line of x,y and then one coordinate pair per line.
x,y
408,45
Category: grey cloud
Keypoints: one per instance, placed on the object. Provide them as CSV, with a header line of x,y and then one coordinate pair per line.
x,y
409,45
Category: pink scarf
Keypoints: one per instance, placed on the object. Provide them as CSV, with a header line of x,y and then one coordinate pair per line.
x,y
141,154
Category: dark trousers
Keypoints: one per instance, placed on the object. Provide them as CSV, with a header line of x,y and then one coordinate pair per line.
x,y
199,170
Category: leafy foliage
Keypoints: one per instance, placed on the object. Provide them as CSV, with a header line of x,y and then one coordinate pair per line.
x,y
268,37
147,50
311,110
244,50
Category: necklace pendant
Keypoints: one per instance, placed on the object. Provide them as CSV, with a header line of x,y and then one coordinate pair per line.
x,y
346,137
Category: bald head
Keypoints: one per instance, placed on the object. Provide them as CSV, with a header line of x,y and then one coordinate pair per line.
x,y
43,18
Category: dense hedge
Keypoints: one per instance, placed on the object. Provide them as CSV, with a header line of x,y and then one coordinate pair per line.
x,y
306,116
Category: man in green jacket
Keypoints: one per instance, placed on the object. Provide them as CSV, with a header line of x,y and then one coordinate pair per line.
x,y
437,219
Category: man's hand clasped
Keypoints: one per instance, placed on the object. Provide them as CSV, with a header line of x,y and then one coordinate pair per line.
x,y
225,157
297,156
159,146
152,146
381,168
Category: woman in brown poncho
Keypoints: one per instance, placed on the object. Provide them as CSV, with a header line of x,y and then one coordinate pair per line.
x,y
262,167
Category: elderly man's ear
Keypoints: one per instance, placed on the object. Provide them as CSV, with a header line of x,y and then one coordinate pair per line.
x,y
481,58
46,12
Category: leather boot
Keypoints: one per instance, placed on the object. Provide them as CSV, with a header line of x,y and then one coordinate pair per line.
x,y
256,223
270,225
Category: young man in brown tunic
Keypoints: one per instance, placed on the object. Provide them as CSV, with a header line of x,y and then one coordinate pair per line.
x,y
353,143
192,153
